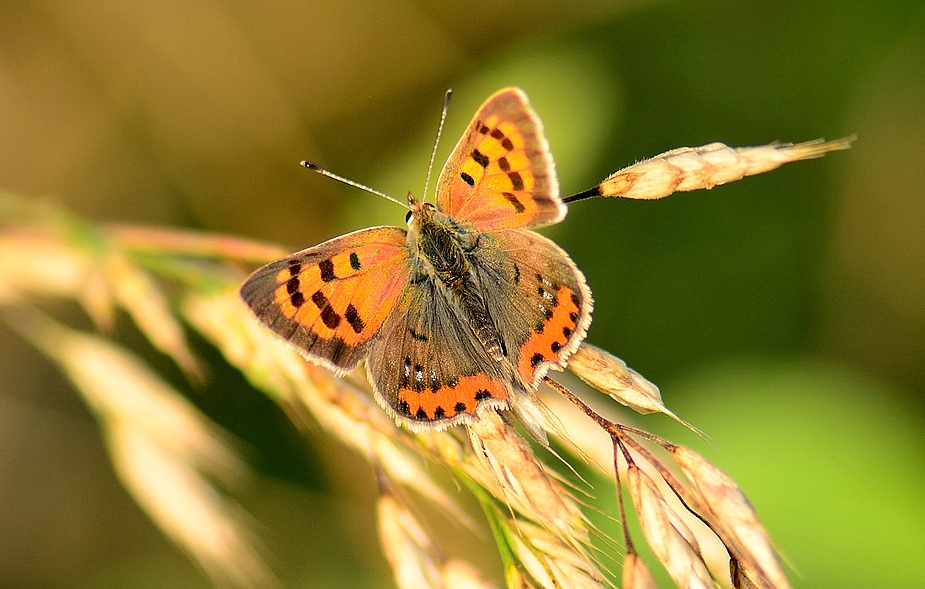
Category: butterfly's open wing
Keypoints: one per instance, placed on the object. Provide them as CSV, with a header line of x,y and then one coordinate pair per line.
x,y
329,301
501,175
538,298
428,368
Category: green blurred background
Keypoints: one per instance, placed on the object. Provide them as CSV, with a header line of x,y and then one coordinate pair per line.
x,y
782,314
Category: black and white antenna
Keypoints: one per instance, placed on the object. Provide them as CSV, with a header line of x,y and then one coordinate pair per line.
x,y
329,174
433,152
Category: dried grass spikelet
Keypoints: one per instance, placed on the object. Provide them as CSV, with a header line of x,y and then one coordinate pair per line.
x,y
53,268
719,503
168,455
520,480
416,561
694,168
536,557
546,532
732,516
668,536
607,373
407,546
99,278
712,497
186,507
636,575
137,292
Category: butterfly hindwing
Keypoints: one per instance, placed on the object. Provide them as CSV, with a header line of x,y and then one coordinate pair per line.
x,y
428,368
329,301
538,298
501,174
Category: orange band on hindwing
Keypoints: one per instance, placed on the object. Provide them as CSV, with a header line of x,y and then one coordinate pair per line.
x,y
432,401
545,344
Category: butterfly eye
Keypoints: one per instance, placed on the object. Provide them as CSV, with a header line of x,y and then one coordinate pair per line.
x,y
408,216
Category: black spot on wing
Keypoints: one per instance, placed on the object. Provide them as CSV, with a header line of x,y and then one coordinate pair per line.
x,y
515,202
480,158
354,319
327,270
516,180
328,315
320,300
502,139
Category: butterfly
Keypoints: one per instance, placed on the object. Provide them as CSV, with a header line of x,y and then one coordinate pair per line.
x,y
466,309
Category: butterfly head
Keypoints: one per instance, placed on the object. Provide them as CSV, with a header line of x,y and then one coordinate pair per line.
x,y
418,210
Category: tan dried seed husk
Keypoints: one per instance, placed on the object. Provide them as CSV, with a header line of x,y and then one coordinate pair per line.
x,y
636,575
609,374
523,482
407,546
670,545
693,168
730,511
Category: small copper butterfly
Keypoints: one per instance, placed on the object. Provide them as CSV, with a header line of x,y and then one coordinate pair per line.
x,y
468,308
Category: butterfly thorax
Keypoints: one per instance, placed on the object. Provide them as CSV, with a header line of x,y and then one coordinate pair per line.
x,y
441,247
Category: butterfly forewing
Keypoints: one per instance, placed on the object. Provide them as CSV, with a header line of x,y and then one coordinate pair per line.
x,y
500,174
330,300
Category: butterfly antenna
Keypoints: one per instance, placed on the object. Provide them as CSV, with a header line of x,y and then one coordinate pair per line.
x,y
329,174
433,153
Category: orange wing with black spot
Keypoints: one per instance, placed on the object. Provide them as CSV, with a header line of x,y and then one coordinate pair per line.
x,y
501,174
329,301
